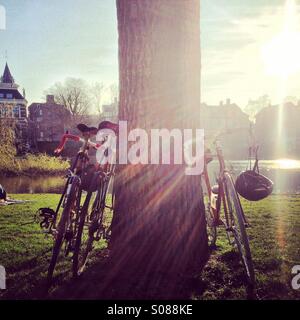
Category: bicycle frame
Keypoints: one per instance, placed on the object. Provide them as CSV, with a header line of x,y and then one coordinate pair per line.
x,y
80,162
234,221
220,197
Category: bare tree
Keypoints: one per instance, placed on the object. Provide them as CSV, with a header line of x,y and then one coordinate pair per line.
x,y
114,92
158,229
73,94
97,91
255,106
291,99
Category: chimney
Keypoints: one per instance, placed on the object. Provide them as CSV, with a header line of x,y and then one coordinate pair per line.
x,y
50,99
227,102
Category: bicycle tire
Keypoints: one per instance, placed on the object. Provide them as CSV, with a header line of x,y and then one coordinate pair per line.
x,y
239,229
61,229
79,261
210,226
76,266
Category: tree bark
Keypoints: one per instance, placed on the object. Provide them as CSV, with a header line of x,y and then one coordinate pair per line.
x,y
158,230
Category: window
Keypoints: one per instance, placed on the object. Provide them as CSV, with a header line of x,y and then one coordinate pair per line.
x,y
42,134
4,112
23,111
41,112
16,111
1,95
9,96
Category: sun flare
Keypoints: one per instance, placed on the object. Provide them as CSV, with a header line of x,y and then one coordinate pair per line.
x,y
281,54
287,164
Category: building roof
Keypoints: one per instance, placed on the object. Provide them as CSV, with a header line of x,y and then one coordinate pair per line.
x,y
274,110
221,108
7,77
15,93
39,105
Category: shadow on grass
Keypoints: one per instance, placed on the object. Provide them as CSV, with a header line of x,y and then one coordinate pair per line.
x,y
101,282
30,263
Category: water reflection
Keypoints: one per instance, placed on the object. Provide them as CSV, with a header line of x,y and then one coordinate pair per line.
x,y
285,173
285,164
52,184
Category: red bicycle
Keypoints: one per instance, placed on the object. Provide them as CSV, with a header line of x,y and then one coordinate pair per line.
x,y
224,196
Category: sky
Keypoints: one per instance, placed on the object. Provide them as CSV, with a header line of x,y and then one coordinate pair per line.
x,y
47,41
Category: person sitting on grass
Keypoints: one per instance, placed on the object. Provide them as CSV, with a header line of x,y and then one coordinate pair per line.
x,y
3,195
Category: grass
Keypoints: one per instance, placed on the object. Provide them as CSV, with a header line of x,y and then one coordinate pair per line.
x,y
274,237
275,245
40,164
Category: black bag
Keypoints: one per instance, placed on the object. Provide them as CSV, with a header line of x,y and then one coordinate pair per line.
x,y
252,185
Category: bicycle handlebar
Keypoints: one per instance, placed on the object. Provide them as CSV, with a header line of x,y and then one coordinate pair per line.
x,y
73,137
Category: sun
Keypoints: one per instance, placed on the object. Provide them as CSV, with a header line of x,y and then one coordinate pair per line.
x,y
281,55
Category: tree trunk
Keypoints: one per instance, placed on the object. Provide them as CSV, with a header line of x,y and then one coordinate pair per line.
x,y
158,230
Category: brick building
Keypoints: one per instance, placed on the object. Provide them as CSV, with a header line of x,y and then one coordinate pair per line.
x,y
219,118
277,131
49,121
13,109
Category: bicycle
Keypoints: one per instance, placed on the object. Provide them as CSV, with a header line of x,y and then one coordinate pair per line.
x,y
93,223
67,226
224,194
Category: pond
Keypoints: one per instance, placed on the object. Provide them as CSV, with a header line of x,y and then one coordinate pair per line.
x,y
33,184
284,173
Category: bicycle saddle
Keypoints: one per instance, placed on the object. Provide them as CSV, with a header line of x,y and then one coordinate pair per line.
x,y
85,129
108,125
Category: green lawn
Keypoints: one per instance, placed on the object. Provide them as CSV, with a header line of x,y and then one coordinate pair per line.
x,y
275,243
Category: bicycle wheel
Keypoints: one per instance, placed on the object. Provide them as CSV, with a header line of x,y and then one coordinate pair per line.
x,y
62,225
236,215
84,241
210,225
81,238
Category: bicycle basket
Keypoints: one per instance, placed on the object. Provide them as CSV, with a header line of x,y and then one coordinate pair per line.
x,y
253,186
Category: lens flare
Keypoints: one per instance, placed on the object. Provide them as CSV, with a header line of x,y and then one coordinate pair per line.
x,y
287,164
281,54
